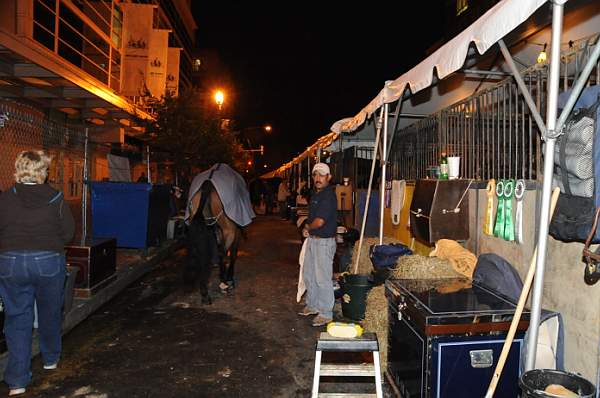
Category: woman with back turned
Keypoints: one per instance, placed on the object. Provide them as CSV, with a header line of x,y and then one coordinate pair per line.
x,y
35,224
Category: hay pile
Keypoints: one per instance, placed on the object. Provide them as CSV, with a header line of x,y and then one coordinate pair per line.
x,y
365,266
376,320
421,267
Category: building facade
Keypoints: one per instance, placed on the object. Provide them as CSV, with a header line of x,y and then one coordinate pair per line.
x,y
74,67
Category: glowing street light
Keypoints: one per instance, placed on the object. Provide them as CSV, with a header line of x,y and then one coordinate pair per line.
x,y
268,128
219,98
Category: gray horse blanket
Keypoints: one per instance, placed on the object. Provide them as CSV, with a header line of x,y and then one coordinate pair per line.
x,y
232,190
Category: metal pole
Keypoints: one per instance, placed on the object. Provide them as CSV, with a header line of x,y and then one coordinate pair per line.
x,y
526,95
368,199
578,87
149,180
553,81
84,192
383,167
309,176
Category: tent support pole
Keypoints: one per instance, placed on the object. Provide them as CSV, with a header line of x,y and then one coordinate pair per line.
x,y
148,178
553,82
308,173
526,95
84,193
578,88
368,199
397,116
383,170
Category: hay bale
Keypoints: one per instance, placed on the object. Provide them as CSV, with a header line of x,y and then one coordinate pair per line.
x,y
420,267
376,320
364,265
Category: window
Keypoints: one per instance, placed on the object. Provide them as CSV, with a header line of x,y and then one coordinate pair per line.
x,y
117,26
44,17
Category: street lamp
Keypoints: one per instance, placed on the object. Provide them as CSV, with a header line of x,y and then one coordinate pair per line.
x,y
268,128
219,98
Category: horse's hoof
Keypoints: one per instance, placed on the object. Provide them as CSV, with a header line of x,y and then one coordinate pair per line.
x,y
224,287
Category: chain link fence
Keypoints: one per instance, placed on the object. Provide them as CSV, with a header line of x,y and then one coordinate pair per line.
x,y
23,127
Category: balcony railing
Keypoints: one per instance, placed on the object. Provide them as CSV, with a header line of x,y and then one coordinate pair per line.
x,y
86,34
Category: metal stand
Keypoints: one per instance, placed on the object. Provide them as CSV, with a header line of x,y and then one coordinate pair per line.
x,y
366,343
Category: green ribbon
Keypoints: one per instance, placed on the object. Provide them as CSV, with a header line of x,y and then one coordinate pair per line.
x,y
499,226
509,225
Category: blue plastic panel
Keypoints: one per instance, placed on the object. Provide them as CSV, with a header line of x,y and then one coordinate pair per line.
x,y
120,210
372,227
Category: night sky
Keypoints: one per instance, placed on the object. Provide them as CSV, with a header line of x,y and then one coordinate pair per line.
x,y
300,68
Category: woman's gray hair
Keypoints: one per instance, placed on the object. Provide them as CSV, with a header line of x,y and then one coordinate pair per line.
x,y
32,167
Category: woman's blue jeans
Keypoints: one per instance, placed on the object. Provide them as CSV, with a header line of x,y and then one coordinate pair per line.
x,y
27,277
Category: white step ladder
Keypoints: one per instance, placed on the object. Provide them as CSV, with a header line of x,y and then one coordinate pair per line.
x,y
365,343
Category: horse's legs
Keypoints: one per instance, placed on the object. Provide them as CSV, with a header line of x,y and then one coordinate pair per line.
x,y
233,251
204,278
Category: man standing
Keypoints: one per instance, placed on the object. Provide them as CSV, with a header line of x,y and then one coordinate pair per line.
x,y
320,231
282,197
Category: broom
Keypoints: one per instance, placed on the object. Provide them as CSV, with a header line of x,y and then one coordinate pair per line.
x,y
520,305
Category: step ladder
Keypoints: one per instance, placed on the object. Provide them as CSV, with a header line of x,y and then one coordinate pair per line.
x,y
365,343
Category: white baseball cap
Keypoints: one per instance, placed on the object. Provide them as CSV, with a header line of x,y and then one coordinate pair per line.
x,y
321,168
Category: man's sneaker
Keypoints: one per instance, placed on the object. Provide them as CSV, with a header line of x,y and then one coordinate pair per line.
x,y
308,311
51,366
320,321
16,391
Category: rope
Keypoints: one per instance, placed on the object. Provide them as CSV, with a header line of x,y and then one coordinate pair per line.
x,y
214,219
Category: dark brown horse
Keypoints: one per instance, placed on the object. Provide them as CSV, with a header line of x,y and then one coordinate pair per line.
x,y
213,238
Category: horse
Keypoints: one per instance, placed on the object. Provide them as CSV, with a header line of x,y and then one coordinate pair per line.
x,y
213,238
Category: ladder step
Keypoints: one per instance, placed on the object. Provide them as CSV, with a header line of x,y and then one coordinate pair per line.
x,y
346,395
353,369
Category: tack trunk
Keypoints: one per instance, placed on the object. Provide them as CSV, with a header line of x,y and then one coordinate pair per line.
x,y
96,261
445,338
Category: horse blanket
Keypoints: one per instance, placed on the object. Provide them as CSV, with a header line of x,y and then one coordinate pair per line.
x,y
232,190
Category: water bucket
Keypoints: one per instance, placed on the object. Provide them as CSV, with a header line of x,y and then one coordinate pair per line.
x,y
534,382
354,299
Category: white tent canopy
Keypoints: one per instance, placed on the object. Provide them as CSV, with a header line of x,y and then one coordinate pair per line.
x,y
488,30
485,32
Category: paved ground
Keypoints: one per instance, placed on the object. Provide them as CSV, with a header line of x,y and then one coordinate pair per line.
x,y
154,340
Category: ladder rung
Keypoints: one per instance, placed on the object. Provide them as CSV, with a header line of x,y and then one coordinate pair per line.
x,y
346,395
353,369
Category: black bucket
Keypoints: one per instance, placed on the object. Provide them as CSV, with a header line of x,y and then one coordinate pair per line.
x,y
354,299
534,382
70,278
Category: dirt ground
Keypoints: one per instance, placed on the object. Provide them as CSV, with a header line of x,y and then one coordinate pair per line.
x,y
154,340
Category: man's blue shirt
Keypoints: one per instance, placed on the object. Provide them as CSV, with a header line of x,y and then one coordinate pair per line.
x,y
324,205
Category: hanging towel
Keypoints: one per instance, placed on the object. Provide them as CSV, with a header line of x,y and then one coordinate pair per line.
x,y
398,188
118,168
301,285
